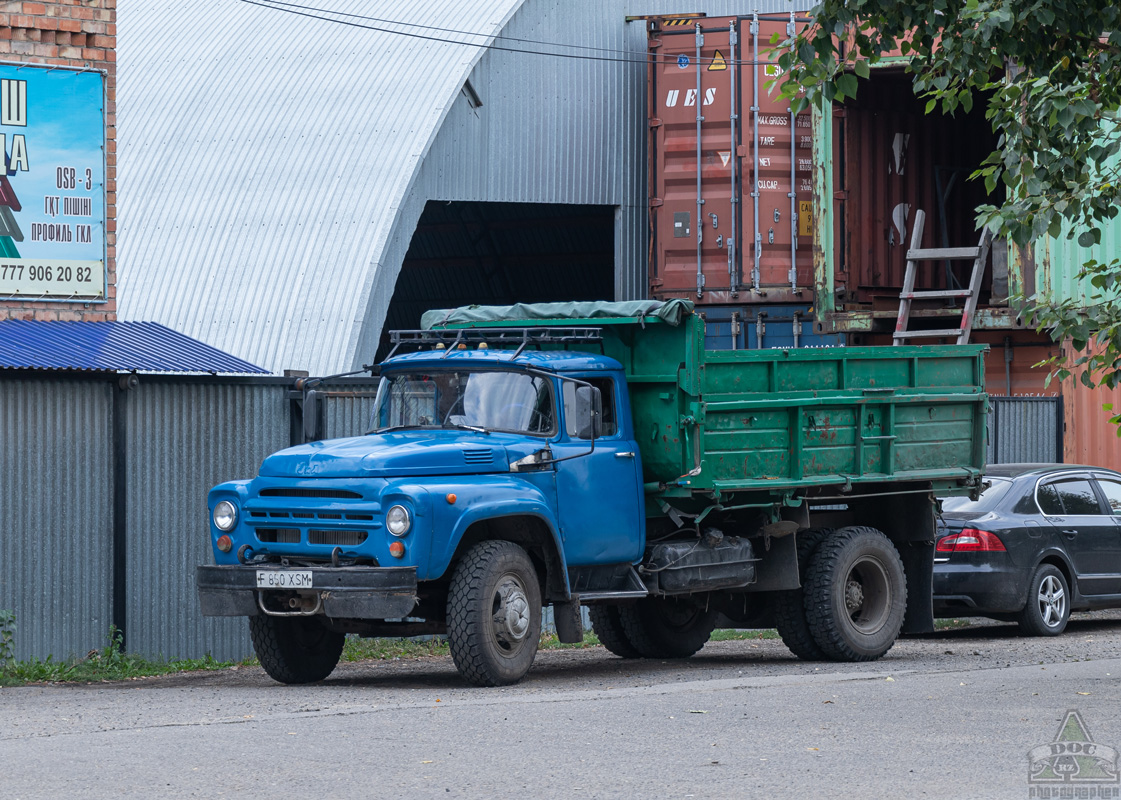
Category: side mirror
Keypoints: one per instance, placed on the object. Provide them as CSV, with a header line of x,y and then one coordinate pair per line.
x,y
311,416
589,404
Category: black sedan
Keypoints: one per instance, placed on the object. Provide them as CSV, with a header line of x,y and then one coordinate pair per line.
x,y
1041,541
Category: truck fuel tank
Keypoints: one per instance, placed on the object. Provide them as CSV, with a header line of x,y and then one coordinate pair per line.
x,y
712,562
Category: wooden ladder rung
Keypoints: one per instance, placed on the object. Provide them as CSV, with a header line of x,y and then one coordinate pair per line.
x,y
934,293
927,334
944,254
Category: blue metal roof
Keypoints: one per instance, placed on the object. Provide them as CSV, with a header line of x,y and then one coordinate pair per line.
x,y
110,347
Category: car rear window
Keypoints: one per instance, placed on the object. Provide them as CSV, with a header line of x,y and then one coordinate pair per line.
x,y
989,499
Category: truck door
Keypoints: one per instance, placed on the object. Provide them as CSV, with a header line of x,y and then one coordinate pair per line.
x,y
599,495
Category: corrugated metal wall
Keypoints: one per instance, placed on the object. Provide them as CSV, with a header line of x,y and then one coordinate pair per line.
x,y
1025,429
56,514
1090,439
57,506
349,413
182,440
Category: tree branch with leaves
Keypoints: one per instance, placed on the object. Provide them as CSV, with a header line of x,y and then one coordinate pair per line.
x,y
1049,77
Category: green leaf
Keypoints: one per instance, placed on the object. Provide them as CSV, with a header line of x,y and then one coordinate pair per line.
x,y
862,69
1089,238
846,83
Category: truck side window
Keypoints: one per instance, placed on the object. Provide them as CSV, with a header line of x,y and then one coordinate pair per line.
x,y
576,412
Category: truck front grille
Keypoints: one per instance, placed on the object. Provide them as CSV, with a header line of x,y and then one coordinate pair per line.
x,y
344,538
278,535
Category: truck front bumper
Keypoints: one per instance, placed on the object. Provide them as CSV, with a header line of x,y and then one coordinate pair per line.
x,y
341,592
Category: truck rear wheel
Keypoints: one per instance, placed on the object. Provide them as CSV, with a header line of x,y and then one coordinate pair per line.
x,y
295,649
667,627
790,606
608,628
494,614
856,595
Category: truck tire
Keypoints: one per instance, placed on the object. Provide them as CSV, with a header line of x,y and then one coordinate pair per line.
x,y
855,595
667,627
1048,608
790,606
295,649
494,614
608,627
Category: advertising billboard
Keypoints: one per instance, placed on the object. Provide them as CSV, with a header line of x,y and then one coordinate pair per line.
x,y
52,185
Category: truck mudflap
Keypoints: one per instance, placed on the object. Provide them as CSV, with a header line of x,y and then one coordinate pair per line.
x,y
339,592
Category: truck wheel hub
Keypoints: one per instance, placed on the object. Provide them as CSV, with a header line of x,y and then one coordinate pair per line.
x,y
854,595
511,612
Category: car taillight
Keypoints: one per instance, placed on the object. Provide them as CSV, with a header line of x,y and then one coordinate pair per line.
x,y
970,540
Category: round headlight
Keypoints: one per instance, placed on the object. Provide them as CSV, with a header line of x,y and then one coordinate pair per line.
x,y
225,515
397,520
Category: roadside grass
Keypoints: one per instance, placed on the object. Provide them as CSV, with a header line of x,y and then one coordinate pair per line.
x,y
106,664
947,624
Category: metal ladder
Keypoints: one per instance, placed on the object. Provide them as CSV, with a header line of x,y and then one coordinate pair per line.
x,y
978,255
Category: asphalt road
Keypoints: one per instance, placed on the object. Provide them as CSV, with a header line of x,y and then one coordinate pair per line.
x,y
951,715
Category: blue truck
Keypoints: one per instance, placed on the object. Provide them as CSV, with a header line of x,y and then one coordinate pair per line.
x,y
571,455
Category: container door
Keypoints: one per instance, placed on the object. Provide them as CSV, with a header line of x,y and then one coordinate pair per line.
x,y
731,183
777,209
694,184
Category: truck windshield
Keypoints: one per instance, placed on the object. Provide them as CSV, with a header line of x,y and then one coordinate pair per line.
x,y
493,400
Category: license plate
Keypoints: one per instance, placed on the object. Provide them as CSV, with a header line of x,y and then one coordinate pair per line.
x,y
291,579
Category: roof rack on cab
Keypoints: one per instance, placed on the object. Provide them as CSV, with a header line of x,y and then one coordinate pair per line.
x,y
521,338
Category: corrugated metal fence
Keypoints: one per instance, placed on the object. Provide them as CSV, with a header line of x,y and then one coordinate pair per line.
x,y
103,500
56,513
1025,429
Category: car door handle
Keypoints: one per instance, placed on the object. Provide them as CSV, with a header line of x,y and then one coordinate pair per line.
x,y
624,455
1069,533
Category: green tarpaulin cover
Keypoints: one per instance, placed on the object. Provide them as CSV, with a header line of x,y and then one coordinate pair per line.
x,y
670,311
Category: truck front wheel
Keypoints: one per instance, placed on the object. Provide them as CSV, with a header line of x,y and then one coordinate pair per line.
x,y
667,627
295,649
855,594
494,614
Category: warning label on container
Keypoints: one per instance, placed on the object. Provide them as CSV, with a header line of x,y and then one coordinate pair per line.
x,y
805,218
718,62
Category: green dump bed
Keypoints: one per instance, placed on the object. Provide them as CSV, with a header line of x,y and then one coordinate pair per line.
x,y
782,419
778,419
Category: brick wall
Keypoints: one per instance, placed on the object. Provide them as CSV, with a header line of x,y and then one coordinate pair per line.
x,y
74,33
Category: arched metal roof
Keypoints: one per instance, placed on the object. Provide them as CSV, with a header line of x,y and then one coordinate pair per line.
x,y
263,156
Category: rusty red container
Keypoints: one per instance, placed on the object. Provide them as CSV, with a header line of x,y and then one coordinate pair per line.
x,y
730,165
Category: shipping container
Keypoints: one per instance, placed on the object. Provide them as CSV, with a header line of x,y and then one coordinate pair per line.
x,y
751,205
744,327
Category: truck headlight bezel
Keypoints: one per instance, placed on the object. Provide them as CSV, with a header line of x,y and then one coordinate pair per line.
x,y
398,520
224,516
